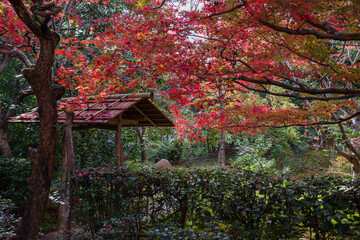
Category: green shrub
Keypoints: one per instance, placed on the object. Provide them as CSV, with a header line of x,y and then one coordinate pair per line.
x,y
132,203
172,233
13,175
8,220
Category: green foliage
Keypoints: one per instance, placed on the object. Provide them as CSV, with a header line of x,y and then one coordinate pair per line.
x,y
132,202
163,143
167,147
8,220
253,162
94,147
21,137
274,150
13,175
170,233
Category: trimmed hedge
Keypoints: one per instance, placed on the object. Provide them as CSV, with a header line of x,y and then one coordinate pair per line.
x,y
142,203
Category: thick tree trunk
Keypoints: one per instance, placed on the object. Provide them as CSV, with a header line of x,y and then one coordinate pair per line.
x,y
42,158
36,18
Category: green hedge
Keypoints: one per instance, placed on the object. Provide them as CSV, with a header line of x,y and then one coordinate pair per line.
x,y
130,203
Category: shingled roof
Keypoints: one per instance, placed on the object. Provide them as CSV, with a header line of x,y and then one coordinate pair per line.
x,y
132,109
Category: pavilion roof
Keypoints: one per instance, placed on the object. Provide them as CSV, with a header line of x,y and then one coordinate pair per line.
x,y
132,109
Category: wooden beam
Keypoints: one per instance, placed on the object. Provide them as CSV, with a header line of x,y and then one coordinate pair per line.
x,y
147,118
130,122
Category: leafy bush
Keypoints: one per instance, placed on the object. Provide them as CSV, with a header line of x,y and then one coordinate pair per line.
x,y
274,150
8,220
170,233
254,162
13,175
132,203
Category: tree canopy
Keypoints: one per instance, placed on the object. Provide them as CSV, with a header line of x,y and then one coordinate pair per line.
x,y
221,58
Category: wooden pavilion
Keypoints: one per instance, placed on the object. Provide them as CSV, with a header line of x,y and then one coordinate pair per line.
x,y
113,112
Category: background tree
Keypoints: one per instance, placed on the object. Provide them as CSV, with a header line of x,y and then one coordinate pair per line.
x,y
15,50
285,49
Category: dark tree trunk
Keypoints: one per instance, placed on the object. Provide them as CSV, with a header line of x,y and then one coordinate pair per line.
x,y
41,158
356,168
40,79
4,143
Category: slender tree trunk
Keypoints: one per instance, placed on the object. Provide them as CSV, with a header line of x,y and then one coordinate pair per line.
x,y
119,148
141,134
4,143
221,153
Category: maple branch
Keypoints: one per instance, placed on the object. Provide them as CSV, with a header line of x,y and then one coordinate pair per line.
x,y
331,142
240,5
66,9
325,26
330,32
339,120
162,4
11,50
347,93
346,138
303,56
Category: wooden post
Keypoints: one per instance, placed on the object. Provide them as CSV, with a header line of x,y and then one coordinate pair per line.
x,y
119,148
70,164
63,180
